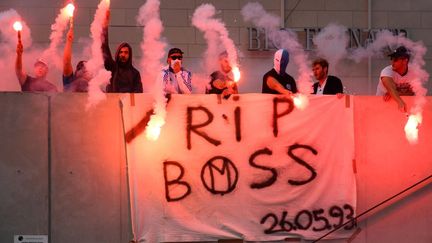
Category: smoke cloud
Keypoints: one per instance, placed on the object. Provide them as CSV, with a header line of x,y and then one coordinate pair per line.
x,y
332,43
52,53
255,13
215,32
216,35
153,49
95,65
152,46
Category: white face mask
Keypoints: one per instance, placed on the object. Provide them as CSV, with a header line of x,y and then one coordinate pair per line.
x,y
281,59
174,62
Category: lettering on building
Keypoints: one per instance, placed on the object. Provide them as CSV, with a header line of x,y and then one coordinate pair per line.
x,y
259,39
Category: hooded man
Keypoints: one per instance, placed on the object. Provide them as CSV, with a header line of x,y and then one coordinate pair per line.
x,y
277,81
125,78
29,83
176,79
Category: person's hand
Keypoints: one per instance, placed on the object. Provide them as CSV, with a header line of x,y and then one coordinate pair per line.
x,y
386,96
402,106
340,95
226,92
20,48
288,92
230,87
219,84
176,65
170,89
70,35
107,19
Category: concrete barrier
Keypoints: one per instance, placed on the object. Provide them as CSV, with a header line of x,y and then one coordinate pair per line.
x,y
63,170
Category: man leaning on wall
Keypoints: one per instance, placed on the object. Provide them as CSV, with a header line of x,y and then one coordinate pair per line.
x,y
395,79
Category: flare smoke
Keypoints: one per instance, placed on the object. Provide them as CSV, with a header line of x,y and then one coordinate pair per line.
x,y
153,49
215,32
96,64
332,43
255,13
56,37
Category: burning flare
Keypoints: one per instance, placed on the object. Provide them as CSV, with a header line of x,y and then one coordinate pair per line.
x,y
154,127
17,26
301,101
236,74
153,49
70,8
411,127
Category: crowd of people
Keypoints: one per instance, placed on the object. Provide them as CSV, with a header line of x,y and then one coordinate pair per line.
x,y
394,79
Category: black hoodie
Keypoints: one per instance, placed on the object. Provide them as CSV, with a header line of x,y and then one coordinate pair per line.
x,y
124,78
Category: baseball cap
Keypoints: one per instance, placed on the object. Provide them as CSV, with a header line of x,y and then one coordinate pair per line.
x,y
174,51
401,51
40,61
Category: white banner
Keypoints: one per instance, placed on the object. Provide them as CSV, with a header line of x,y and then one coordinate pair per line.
x,y
251,167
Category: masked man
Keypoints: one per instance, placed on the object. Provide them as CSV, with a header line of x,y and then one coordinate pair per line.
x,y
176,79
277,81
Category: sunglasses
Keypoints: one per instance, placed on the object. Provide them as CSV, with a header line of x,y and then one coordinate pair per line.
x,y
176,57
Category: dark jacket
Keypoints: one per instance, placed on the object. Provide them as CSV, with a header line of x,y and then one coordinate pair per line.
x,y
124,78
285,80
333,86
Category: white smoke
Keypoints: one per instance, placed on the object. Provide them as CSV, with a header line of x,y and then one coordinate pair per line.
x,y
96,63
152,45
332,43
52,53
215,32
212,52
153,50
8,43
255,13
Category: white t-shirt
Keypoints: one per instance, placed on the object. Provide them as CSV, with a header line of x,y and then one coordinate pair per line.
x,y
402,82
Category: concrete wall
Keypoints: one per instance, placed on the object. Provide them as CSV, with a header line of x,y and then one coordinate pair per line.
x,y
24,193
62,170
386,165
413,15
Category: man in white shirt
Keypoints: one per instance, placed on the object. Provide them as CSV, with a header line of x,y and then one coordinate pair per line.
x,y
395,79
177,80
